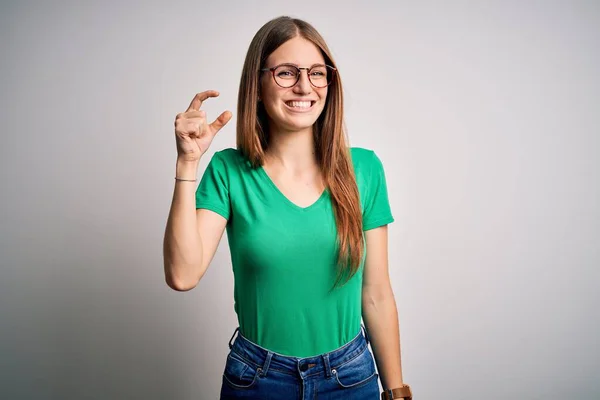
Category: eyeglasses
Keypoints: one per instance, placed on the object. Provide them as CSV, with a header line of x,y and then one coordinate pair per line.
x,y
287,75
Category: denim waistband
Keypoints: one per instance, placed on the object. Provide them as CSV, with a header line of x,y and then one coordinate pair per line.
x,y
265,360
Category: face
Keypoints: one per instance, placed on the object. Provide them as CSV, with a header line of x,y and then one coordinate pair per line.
x,y
296,108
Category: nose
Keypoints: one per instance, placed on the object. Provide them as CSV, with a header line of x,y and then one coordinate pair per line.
x,y
303,85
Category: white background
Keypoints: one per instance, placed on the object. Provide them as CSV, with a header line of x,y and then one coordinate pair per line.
x,y
484,113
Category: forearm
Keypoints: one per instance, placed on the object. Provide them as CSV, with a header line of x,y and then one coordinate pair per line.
x,y
381,319
182,247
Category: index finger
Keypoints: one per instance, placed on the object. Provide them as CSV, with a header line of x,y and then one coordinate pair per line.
x,y
199,98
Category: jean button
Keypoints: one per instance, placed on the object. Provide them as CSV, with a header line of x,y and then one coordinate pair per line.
x,y
304,367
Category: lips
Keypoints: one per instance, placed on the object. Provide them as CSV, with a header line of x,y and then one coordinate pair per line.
x,y
300,105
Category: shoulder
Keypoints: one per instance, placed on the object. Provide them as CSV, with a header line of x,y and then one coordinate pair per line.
x,y
231,166
364,160
368,170
228,155
229,159
360,152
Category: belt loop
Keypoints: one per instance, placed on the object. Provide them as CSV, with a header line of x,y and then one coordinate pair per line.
x,y
365,333
327,365
265,367
234,332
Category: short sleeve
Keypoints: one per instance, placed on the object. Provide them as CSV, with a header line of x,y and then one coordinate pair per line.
x,y
377,211
213,191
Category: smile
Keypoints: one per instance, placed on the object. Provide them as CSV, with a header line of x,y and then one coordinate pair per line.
x,y
300,105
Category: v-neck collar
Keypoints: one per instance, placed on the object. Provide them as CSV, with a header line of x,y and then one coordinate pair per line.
x,y
267,178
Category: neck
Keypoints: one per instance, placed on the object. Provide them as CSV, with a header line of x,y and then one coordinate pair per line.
x,y
294,151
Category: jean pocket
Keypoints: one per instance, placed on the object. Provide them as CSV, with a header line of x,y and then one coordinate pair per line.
x,y
238,373
356,372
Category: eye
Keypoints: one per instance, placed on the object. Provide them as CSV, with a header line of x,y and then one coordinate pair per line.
x,y
318,72
286,72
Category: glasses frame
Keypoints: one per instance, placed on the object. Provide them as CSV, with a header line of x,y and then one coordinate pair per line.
x,y
272,69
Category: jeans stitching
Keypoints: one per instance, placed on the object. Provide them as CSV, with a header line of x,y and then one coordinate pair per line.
x,y
352,358
355,384
235,385
242,358
242,386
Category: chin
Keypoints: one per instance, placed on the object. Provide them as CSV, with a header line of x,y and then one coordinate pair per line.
x,y
300,125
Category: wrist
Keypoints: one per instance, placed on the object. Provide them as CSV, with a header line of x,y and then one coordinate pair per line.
x,y
402,392
186,169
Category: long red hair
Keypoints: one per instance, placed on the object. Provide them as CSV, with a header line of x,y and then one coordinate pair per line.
x,y
331,143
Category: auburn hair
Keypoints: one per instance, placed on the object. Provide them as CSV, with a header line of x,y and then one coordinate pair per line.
x,y
329,131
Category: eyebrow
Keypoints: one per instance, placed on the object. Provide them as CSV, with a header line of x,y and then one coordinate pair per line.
x,y
296,65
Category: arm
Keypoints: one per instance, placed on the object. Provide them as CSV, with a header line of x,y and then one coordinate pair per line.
x,y
191,236
379,309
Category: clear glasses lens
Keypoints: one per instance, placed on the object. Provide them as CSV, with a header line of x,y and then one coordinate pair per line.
x,y
288,75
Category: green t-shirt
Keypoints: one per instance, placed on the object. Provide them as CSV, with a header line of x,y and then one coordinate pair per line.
x,y
284,256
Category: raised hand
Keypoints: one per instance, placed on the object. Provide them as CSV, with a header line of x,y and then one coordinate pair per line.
x,y
192,133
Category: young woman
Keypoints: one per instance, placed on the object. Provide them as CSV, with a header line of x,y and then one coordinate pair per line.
x,y
306,219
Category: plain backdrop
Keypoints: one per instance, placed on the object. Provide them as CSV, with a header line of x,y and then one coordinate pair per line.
x,y
484,113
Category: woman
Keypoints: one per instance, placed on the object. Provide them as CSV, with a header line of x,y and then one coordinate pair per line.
x,y
306,221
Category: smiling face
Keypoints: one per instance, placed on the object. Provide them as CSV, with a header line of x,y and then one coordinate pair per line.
x,y
296,108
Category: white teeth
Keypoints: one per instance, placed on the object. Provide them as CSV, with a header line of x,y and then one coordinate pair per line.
x,y
299,104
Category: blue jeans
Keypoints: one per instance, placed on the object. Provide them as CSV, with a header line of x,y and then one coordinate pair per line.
x,y
253,372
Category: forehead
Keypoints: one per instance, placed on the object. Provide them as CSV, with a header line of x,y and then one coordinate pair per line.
x,y
297,51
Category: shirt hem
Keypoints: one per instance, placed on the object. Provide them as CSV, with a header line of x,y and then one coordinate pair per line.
x,y
222,212
378,222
